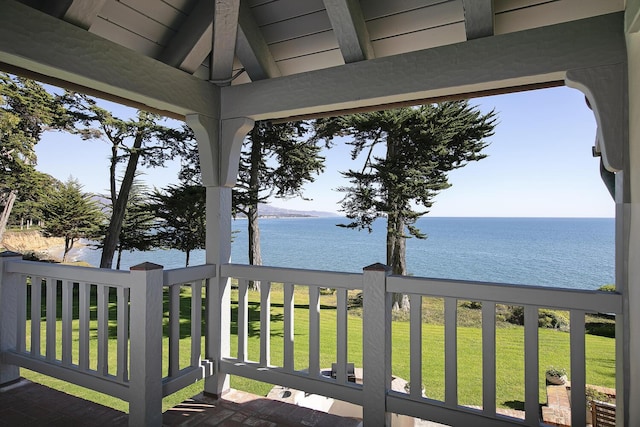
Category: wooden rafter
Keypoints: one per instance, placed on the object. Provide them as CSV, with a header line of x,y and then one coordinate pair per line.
x,y
350,29
478,18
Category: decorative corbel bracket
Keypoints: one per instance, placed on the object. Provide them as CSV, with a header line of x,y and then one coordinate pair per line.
x,y
219,146
605,88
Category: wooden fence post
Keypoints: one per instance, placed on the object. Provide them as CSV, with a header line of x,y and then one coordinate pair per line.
x,y
376,351
145,382
8,315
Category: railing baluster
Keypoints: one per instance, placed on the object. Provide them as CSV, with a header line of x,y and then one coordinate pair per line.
x,y
67,321
578,374
174,329
265,323
51,318
531,368
103,329
489,358
289,306
196,322
341,334
243,318
451,352
21,295
83,345
123,334
36,307
415,346
314,331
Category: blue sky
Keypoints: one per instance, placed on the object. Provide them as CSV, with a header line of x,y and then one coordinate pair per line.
x,y
539,163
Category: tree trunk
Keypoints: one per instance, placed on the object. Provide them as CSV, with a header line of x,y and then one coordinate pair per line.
x,y
68,245
117,215
187,262
255,255
4,217
397,255
119,258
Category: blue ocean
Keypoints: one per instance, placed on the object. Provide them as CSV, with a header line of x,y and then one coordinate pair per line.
x,y
559,252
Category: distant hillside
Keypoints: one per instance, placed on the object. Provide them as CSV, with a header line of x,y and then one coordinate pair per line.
x,y
269,211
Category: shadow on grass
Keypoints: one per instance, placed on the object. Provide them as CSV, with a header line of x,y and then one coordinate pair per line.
x,y
253,320
518,405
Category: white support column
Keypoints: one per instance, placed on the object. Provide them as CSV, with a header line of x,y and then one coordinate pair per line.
x,y
376,351
219,145
145,384
613,92
629,332
8,315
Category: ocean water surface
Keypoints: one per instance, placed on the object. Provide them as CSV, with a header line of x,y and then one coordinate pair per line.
x,y
560,252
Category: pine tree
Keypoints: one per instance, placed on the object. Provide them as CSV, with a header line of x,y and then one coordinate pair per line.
x,y
181,218
276,161
141,140
26,111
71,214
422,145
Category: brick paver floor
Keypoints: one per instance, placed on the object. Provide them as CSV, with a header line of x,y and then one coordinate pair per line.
x,y
30,404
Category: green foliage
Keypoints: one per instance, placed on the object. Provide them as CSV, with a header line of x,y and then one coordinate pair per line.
x,y
144,140
551,319
556,372
607,288
422,144
71,214
26,111
594,394
137,225
181,219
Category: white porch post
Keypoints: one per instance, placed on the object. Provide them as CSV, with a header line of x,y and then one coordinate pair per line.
x,y
376,342
630,331
145,389
8,315
611,94
219,144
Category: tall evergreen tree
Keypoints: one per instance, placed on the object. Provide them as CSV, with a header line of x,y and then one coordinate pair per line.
x,y
422,144
137,225
181,218
276,161
26,111
141,140
71,214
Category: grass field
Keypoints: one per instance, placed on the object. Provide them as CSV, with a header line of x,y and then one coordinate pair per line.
x,y
553,350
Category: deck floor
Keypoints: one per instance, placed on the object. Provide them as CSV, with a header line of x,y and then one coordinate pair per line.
x,y
30,404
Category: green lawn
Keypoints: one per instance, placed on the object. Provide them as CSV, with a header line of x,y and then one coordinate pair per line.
x,y
553,348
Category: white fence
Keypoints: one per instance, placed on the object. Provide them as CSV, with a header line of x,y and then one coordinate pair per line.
x,y
102,303
133,301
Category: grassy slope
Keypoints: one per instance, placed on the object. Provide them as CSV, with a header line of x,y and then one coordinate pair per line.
x,y
554,350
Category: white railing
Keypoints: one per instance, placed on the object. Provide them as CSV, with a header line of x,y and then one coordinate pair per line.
x,y
375,394
98,302
133,301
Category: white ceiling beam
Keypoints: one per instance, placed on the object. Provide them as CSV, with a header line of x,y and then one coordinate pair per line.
x,y
350,29
478,18
252,49
225,30
535,56
82,13
60,53
632,16
192,44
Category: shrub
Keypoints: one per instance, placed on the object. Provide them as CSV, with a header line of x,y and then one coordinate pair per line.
x,y
473,305
607,288
546,318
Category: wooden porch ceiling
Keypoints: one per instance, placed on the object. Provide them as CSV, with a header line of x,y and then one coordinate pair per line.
x,y
366,51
